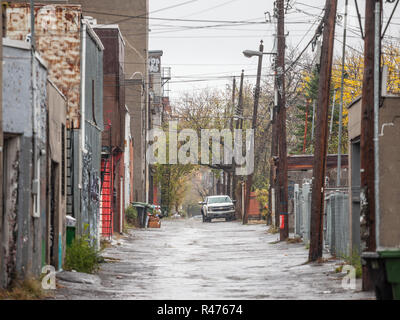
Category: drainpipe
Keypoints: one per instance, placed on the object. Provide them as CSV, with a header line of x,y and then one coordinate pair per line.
x,y
36,155
121,205
376,117
82,149
83,83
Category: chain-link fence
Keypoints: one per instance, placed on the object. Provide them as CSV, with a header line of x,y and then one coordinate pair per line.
x,y
336,218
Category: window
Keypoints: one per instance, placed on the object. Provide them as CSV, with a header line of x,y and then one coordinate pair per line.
x,y
223,199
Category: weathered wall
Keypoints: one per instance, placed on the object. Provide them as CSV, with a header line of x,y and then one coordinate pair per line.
x,y
114,93
389,171
57,111
57,30
114,111
25,240
90,192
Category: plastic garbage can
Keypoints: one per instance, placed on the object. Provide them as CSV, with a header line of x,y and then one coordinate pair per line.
x,y
377,270
392,267
142,209
71,229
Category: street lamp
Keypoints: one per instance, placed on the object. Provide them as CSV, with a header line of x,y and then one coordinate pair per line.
x,y
253,53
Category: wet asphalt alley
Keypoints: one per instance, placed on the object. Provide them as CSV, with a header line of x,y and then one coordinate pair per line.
x,y
189,260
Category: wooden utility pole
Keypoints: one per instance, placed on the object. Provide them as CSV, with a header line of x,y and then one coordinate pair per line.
x,y
272,169
1,144
249,181
321,133
238,113
239,123
231,173
282,189
306,127
367,191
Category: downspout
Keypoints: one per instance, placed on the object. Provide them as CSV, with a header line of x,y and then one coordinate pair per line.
x,y
83,88
36,163
376,117
121,205
82,149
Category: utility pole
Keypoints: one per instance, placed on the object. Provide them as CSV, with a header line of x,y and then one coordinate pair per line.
x,y
249,181
313,122
239,123
272,170
229,182
367,192
333,113
281,117
321,133
1,141
274,151
339,160
306,127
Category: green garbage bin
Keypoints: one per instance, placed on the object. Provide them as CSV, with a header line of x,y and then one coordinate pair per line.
x,y
392,268
70,236
376,270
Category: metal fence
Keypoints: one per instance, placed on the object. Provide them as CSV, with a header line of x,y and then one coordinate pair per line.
x,y
336,218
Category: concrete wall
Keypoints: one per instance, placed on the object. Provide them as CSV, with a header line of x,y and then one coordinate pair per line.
x,y
56,180
22,237
389,157
389,154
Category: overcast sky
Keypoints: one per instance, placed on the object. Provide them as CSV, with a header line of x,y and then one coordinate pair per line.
x,y
197,56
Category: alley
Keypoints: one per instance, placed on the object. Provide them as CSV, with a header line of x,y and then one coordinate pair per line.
x,y
188,259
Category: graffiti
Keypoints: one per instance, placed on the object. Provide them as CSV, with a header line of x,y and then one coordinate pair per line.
x,y
49,280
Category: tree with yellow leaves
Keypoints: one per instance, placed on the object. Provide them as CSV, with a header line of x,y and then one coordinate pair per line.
x,y
353,77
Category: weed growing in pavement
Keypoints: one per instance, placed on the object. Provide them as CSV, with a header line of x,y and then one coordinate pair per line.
x,y
30,289
294,240
273,230
104,244
82,255
353,260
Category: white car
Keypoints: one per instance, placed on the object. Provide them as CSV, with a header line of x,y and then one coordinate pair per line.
x,y
216,207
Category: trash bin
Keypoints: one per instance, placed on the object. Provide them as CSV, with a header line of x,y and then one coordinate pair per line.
x,y
142,210
392,267
377,270
71,227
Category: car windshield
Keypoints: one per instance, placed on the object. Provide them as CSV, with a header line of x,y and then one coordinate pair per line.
x,y
219,200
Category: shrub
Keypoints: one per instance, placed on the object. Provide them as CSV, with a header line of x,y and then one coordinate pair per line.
x,y
262,196
183,214
82,256
131,215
